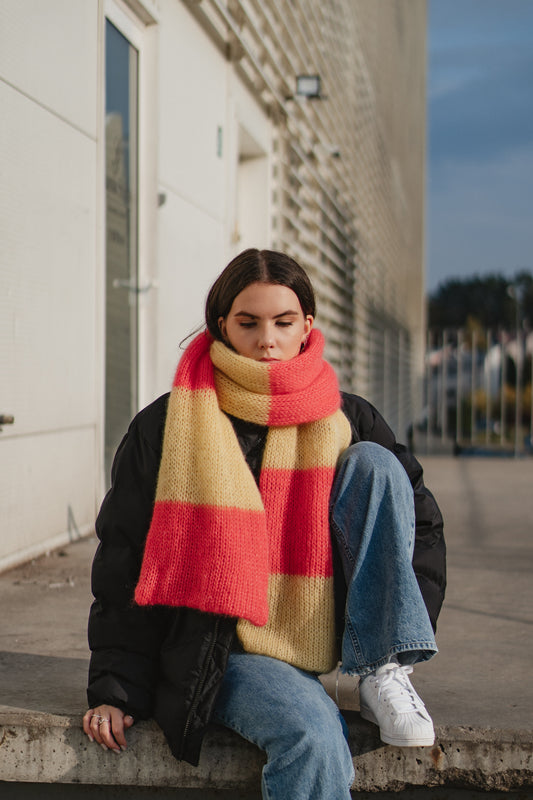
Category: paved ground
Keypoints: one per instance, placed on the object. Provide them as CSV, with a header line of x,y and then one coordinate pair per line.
x,y
481,677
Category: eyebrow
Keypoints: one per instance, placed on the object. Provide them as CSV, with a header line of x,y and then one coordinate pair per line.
x,y
288,313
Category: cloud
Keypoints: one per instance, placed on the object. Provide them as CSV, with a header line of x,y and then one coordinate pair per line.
x,y
481,74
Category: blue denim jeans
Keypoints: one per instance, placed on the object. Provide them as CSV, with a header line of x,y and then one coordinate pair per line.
x,y
284,710
372,520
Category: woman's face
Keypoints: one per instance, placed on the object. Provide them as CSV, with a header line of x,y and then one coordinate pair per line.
x,y
266,323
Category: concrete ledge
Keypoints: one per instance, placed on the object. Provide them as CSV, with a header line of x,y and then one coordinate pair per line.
x,y
41,748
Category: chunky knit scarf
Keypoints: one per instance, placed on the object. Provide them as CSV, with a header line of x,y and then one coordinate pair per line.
x,y
219,543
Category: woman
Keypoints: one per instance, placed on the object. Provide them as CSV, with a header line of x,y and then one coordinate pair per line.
x,y
289,530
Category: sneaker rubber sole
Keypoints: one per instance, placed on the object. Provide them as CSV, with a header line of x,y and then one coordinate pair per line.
x,y
398,741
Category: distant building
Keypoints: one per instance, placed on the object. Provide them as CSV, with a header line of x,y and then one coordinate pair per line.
x,y
143,143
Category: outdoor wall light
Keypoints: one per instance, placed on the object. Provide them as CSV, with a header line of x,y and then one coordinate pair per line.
x,y
309,86
328,149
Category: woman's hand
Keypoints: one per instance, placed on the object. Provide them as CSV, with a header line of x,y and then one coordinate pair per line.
x,y
107,725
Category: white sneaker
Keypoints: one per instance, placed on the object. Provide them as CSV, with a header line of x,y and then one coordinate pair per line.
x,y
388,699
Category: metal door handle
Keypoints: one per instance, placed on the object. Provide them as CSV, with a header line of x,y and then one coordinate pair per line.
x,y
131,286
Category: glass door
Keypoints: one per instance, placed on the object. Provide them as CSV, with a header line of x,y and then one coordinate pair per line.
x,y
121,236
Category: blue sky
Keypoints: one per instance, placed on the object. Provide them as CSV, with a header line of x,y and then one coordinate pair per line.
x,y
480,138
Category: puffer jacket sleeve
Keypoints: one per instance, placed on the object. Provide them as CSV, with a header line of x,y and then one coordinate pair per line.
x,y
429,557
124,638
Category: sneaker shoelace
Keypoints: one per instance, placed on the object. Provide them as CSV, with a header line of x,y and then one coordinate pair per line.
x,y
395,688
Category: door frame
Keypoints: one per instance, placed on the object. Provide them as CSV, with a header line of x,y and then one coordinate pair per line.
x,y
137,21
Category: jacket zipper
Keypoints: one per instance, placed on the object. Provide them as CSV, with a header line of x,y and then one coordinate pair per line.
x,y
200,686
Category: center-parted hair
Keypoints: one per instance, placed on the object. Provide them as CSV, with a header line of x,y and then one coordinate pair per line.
x,y
256,266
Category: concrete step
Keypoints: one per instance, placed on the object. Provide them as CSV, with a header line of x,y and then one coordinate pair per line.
x,y
43,748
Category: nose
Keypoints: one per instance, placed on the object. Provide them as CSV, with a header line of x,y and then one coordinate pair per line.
x,y
266,339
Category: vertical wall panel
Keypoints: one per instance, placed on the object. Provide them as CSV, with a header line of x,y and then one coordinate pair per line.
x,y
48,473
48,52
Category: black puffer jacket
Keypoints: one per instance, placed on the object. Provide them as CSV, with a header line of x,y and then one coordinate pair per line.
x,y
168,662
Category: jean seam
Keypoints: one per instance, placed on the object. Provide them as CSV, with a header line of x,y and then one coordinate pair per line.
x,y
341,541
265,791
349,628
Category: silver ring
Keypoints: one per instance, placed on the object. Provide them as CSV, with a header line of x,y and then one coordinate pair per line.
x,y
100,718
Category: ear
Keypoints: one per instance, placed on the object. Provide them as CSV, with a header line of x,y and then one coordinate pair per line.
x,y
222,326
308,324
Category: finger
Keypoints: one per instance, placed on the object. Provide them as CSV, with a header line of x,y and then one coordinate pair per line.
x,y
87,723
100,721
128,721
116,728
107,733
95,727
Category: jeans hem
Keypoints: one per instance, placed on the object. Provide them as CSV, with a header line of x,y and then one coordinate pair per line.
x,y
426,651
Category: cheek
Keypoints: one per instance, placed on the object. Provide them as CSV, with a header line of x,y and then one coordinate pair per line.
x,y
235,331
236,336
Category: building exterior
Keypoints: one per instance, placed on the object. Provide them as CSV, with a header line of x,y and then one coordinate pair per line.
x,y
143,143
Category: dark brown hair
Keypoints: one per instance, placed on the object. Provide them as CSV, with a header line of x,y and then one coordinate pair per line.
x,y
256,266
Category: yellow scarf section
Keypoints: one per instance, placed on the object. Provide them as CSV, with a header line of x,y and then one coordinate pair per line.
x,y
301,622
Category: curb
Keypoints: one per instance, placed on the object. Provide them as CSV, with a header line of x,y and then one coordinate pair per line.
x,y
42,748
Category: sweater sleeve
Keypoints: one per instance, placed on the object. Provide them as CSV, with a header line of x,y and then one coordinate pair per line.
x,y
429,557
124,638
